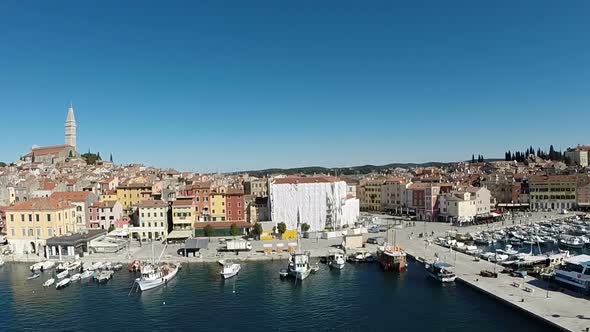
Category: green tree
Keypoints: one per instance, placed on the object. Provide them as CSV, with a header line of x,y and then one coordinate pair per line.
x,y
208,230
2,164
111,228
71,155
111,158
234,229
305,227
257,230
282,228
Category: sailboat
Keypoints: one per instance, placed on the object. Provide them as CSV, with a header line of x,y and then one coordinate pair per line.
x,y
392,257
156,274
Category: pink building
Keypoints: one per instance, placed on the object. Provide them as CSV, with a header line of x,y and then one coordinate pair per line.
x,y
105,214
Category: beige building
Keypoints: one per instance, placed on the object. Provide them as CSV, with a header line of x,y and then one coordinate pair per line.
x,y
370,199
553,192
578,155
31,223
394,194
153,220
256,187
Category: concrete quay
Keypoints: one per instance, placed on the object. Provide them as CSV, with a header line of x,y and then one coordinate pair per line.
x,y
564,311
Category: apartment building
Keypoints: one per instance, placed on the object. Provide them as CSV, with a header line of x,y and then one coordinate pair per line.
x,y
553,192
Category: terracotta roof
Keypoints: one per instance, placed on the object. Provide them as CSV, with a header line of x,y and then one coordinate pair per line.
x,y
46,150
234,191
152,204
42,204
311,179
135,186
48,185
183,202
74,196
552,178
105,204
222,224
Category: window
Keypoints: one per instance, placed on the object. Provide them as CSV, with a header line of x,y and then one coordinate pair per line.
x,y
229,212
12,232
30,232
22,217
11,217
30,217
48,217
24,232
38,232
36,217
161,214
49,232
228,204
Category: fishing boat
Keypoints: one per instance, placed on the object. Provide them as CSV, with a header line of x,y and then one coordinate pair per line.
x,y
34,276
392,258
571,242
62,274
336,259
49,282
440,271
76,277
63,283
86,274
157,274
229,269
299,266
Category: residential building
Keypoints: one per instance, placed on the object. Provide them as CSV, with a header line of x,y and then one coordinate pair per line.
x,y
217,206
393,195
258,210
235,205
553,192
184,214
578,156
82,200
583,192
153,220
29,224
200,191
256,187
132,195
320,202
371,195
104,214
108,196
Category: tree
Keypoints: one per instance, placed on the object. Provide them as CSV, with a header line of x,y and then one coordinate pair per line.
x,y
2,164
208,230
257,230
282,228
234,229
98,156
111,228
33,157
473,158
71,155
111,158
305,227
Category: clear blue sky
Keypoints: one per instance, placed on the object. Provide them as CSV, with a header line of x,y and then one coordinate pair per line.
x,y
233,85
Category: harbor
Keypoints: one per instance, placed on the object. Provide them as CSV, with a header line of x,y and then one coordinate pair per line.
x,y
421,242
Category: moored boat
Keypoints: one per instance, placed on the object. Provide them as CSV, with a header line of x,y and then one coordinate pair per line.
x,y
63,283
34,276
336,259
153,276
49,282
229,269
392,258
62,274
440,271
76,277
86,274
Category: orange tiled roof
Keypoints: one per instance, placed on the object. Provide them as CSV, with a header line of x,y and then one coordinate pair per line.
x,y
46,150
74,196
42,204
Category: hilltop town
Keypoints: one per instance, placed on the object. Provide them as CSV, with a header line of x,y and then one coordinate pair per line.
x,y
54,192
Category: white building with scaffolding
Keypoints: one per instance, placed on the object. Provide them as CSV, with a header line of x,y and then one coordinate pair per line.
x,y
321,202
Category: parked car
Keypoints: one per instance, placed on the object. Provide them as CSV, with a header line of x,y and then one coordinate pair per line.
x,y
373,229
376,240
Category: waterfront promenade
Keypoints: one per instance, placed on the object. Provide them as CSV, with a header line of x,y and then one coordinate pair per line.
x,y
565,311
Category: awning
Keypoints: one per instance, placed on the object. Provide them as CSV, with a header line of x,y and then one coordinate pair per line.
x,y
180,234
119,233
196,243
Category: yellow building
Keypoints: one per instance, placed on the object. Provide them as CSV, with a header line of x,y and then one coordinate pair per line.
x,y
217,201
184,214
132,195
30,224
109,196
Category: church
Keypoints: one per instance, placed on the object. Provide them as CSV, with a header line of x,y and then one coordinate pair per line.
x,y
57,153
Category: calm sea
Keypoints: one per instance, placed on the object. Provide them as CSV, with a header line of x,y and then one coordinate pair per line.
x,y
358,298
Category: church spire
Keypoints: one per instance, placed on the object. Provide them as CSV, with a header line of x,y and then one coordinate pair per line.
x,y
71,127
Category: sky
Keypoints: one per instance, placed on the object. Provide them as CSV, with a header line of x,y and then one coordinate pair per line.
x,y
230,85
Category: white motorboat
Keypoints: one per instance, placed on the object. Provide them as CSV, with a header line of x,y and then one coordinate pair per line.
x,y
48,265
336,259
73,266
87,266
97,266
153,276
1,262
441,271
575,272
76,277
86,274
62,274
229,269
63,283
49,282
299,266
571,242
34,276
61,267
103,276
